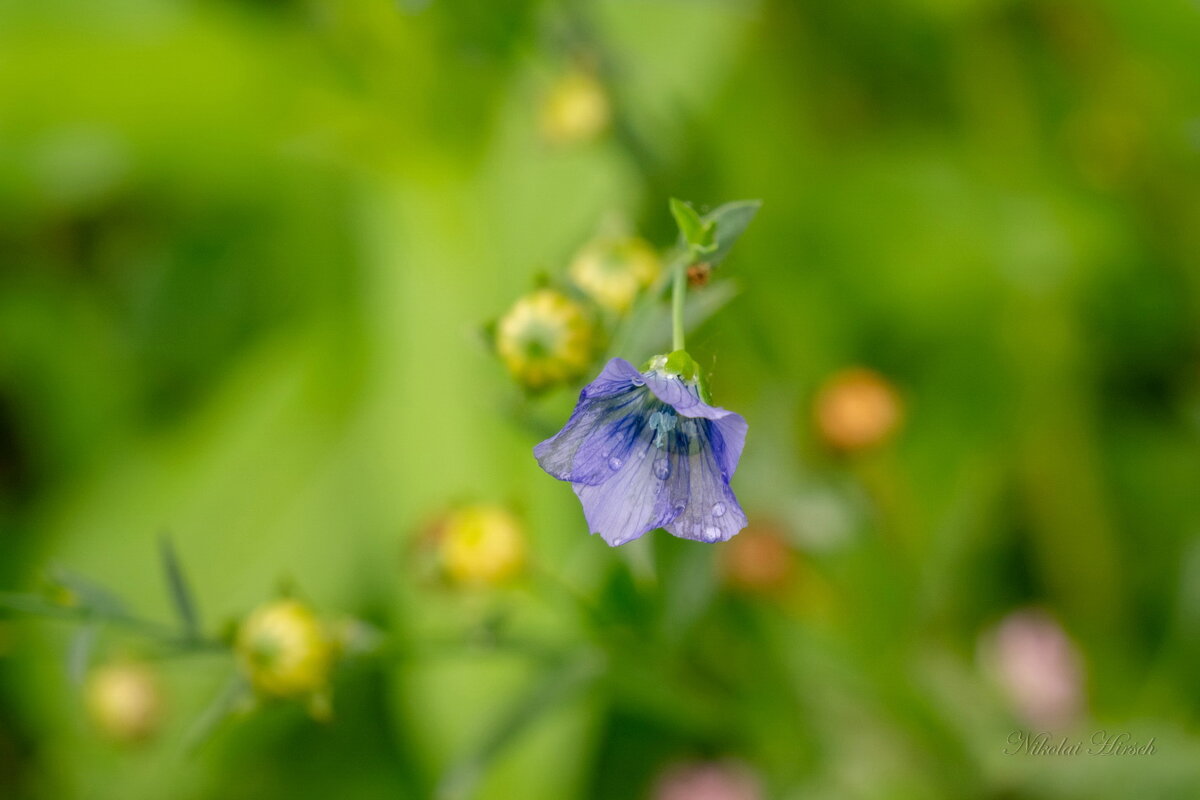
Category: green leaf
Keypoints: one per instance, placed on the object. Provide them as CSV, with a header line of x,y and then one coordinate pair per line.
x,y
88,594
39,606
689,585
181,594
730,221
697,232
558,685
234,695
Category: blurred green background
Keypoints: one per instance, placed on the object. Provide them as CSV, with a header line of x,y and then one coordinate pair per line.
x,y
246,250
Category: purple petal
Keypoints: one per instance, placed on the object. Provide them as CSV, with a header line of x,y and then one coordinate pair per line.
x,y
599,424
635,499
636,466
712,513
685,399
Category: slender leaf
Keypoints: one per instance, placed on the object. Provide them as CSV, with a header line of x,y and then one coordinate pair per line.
x,y
181,595
731,220
89,594
234,695
38,606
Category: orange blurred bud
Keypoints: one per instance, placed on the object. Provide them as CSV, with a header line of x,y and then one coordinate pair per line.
x,y
857,408
759,559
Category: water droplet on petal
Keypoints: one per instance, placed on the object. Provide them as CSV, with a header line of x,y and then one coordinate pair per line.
x,y
662,469
615,463
712,533
639,381
718,509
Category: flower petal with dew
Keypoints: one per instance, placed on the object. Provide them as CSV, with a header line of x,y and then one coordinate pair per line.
x,y
642,450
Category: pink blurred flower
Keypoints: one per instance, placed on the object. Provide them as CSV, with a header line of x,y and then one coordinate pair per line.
x,y
708,780
1038,667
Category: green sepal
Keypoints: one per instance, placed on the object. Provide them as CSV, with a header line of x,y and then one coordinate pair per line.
x,y
678,363
702,386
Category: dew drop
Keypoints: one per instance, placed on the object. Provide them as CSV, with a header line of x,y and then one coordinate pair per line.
x,y
718,509
712,533
615,463
662,469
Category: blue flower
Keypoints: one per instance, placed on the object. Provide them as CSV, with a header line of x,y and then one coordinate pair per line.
x,y
643,451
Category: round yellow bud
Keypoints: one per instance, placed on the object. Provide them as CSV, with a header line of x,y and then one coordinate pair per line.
x,y
613,271
857,408
545,338
125,701
575,109
482,545
285,650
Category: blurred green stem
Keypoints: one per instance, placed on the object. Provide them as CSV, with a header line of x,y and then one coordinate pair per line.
x,y
677,296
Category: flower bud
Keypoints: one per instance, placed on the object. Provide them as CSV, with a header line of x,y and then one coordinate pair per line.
x,y
575,109
699,274
125,701
613,270
713,780
482,545
857,408
758,559
285,650
545,339
1037,666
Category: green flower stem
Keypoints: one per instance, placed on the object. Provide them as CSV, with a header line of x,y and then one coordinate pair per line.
x,y
677,295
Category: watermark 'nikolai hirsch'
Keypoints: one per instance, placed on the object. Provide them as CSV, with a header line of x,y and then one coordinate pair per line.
x,y
1102,743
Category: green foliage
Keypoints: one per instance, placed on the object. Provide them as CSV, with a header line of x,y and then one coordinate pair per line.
x,y
698,235
244,245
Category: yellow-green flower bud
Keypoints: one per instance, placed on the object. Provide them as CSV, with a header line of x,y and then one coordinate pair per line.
x,y
284,649
575,109
545,338
125,701
482,545
613,270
